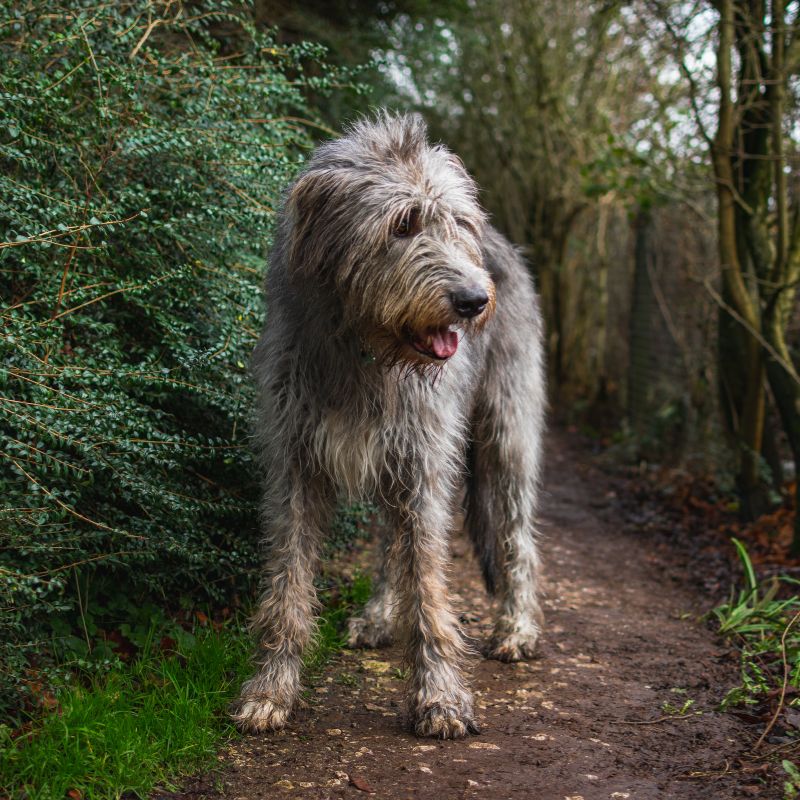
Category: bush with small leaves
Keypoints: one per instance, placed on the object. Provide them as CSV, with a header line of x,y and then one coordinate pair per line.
x,y
143,148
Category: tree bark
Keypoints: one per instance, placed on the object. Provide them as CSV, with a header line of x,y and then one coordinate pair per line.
x,y
750,423
786,391
785,271
643,311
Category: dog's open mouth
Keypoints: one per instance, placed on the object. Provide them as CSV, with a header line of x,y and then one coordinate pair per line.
x,y
438,343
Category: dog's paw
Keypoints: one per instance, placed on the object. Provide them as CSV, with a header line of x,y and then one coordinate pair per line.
x,y
513,646
257,715
444,722
365,633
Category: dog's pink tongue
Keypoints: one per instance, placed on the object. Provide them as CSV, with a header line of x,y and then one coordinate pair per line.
x,y
444,342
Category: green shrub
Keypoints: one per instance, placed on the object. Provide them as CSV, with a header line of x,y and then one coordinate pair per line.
x,y
143,147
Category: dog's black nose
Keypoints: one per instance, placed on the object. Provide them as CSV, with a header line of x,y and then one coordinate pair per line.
x,y
470,302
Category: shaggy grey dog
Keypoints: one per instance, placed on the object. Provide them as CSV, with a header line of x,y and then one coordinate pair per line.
x,y
402,355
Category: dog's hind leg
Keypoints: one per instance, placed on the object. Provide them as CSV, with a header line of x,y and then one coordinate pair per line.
x,y
296,511
502,495
375,626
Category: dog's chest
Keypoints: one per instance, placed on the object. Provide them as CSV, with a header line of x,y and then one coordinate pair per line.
x,y
351,448
373,436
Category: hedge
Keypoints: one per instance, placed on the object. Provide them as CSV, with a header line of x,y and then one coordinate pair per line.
x,y
143,148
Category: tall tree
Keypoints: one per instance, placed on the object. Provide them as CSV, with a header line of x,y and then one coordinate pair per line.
x,y
756,54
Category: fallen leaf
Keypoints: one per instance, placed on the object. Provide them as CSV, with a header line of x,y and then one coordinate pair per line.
x,y
360,784
792,717
376,666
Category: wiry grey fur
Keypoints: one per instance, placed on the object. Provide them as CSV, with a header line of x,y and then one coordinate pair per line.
x,y
348,406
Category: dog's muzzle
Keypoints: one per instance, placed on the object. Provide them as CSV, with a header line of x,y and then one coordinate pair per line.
x,y
470,302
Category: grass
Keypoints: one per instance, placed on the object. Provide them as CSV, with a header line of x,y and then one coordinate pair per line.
x,y
338,604
791,786
764,626
142,725
151,722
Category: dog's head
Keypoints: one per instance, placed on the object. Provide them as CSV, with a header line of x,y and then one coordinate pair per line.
x,y
392,225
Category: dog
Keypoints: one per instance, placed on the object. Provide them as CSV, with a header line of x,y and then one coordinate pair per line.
x,y
401,358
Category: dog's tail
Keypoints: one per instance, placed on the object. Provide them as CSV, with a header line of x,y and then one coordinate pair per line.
x,y
479,524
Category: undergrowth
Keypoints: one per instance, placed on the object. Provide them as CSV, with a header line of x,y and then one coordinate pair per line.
x,y
136,727
148,723
763,619
143,150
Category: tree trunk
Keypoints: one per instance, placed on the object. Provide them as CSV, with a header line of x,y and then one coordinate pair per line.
x,y
785,386
781,290
750,422
552,238
643,311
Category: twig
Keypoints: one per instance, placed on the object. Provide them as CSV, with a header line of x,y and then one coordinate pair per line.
x,y
680,43
80,608
750,329
301,120
64,276
663,307
151,26
784,685
94,65
55,233
247,197
64,77
68,508
715,775
99,557
666,718
90,302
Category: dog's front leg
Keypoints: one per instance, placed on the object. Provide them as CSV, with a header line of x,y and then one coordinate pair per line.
x,y
296,511
440,703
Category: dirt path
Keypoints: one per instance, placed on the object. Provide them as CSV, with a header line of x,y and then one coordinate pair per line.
x,y
620,642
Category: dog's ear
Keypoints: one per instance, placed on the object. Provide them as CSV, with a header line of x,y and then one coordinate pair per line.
x,y
309,210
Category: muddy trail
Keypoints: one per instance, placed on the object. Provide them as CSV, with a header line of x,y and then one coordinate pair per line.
x,y
596,716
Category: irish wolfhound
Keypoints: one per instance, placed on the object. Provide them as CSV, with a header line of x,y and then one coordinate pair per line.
x,y
401,356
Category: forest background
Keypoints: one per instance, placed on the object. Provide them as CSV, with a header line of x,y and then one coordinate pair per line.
x,y
643,154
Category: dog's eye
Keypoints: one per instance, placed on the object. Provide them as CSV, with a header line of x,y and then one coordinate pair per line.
x,y
407,225
402,228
